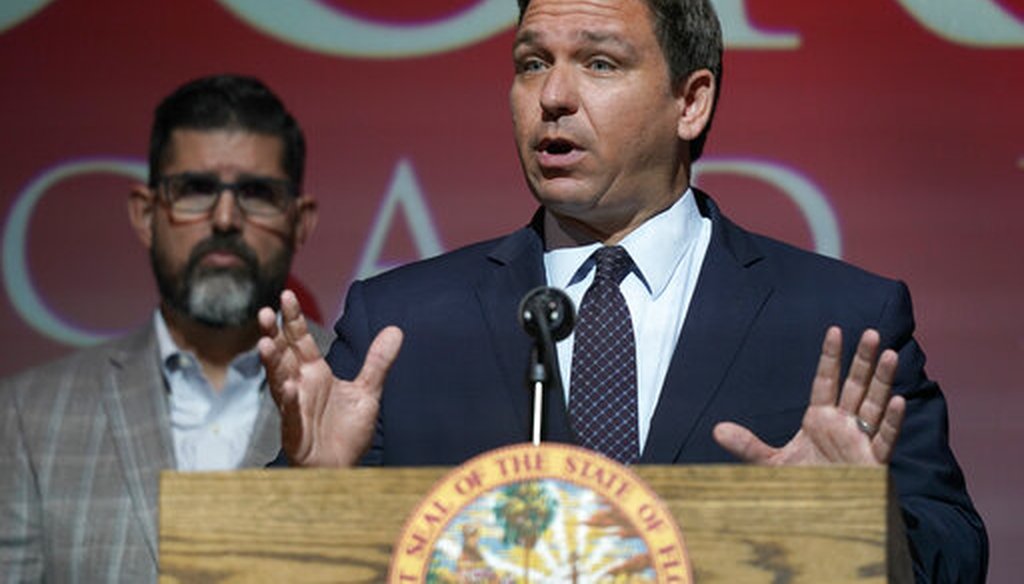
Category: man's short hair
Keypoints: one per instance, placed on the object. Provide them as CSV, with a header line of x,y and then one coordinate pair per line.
x,y
227,102
690,36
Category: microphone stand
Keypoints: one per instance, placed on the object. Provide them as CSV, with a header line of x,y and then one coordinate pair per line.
x,y
543,369
541,309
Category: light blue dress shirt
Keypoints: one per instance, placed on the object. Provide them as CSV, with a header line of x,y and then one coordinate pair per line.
x,y
211,429
668,251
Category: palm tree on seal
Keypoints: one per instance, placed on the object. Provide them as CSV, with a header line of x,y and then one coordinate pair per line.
x,y
524,511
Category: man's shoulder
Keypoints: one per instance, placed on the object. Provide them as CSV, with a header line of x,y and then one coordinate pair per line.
x,y
81,366
800,267
463,265
785,262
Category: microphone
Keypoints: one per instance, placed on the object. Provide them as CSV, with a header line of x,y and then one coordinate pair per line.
x,y
548,308
547,315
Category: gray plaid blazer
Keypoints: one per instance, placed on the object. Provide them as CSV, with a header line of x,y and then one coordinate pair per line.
x,y
82,444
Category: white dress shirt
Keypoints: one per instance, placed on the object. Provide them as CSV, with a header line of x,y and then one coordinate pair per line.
x,y
668,251
211,429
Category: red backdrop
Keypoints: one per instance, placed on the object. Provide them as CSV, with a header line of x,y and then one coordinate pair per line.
x,y
887,132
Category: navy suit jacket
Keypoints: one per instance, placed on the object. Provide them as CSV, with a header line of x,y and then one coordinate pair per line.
x,y
747,353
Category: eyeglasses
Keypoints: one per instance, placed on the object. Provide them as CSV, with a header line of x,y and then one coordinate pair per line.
x,y
191,195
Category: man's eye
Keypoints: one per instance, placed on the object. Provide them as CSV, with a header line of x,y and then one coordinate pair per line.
x,y
257,191
193,187
601,65
531,65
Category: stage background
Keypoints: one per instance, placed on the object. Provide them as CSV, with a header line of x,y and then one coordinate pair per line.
x,y
887,132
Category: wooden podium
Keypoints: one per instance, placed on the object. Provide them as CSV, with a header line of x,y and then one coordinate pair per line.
x,y
740,523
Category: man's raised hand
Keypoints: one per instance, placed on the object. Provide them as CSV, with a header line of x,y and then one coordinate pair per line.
x,y
325,421
858,425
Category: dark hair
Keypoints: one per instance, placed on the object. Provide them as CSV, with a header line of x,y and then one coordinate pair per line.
x,y
690,37
223,102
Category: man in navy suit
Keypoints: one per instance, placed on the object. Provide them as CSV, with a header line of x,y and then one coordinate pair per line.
x,y
612,101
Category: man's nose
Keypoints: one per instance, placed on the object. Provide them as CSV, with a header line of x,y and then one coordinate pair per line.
x,y
559,95
226,213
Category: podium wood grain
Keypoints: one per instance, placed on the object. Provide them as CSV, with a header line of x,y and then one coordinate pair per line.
x,y
740,523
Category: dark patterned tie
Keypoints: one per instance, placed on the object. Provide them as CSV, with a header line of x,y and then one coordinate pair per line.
x,y
602,398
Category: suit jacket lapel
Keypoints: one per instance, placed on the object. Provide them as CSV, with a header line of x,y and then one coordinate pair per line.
x,y
518,268
725,304
265,443
133,398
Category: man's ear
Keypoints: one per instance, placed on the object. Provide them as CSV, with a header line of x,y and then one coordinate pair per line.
x,y
695,97
141,206
305,219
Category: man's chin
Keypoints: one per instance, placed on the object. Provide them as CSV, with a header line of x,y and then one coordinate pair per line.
x,y
222,316
222,300
568,198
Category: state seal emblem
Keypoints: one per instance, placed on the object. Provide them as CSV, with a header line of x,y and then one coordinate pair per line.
x,y
540,514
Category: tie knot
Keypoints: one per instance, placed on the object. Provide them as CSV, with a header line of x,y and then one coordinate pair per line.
x,y
613,263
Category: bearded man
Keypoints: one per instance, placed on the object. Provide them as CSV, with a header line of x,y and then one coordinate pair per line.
x,y
85,438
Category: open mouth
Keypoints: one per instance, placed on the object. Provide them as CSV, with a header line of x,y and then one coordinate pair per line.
x,y
556,146
557,156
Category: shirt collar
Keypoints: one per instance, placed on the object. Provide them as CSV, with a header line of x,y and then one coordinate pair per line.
x,y
657,248
169,351
173,358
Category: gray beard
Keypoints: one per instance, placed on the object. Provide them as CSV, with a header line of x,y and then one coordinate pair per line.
x,y
221,299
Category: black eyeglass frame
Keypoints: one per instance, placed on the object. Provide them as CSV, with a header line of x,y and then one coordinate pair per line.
x,y
284,192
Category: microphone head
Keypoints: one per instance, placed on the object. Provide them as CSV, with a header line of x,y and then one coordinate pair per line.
x,y
550,306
